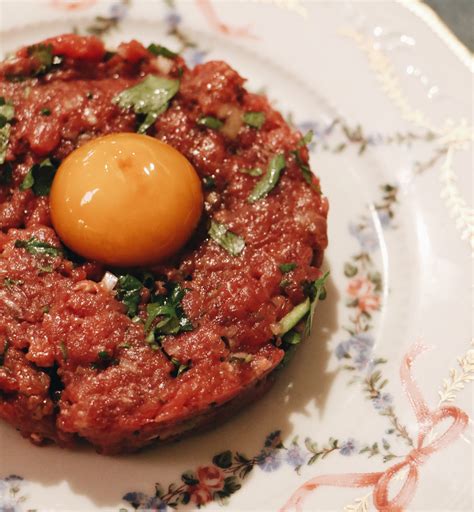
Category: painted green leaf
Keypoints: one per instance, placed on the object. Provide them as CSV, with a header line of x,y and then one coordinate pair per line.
x,y
223,460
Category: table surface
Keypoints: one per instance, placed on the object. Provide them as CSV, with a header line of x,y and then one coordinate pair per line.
x,y
458,15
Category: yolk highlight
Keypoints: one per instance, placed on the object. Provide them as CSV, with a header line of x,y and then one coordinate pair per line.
x,y
126,200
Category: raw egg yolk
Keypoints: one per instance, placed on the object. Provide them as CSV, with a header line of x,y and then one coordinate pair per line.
x,y
125,200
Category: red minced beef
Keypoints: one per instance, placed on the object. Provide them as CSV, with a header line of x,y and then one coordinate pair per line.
x,y
74,363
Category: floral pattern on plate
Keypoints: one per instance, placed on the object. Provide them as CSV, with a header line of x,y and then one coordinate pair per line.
x,y
362,362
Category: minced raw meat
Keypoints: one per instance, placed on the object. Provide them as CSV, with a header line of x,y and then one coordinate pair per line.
x,y
73,364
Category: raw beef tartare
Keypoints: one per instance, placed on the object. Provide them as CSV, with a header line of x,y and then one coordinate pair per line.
x,y
123,357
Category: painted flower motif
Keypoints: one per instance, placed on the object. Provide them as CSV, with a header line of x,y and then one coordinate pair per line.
x,y
194,56
10,497
295,457
211,477
154,504
269,460
384,218
362,289
358,348
348,447
172,20
72,5
383,401
199,494
365,235
118,10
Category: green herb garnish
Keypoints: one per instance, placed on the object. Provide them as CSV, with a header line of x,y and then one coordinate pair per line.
x,y
231,242
8,282
7,113
40,178
287,267
209,182
268,182
157,49
254,119
129,292
63,349
180,368
169,310
43,55
45,112
148,99
37,248
292,337
317,293
305,170
210,122
291,319
256,171
304,141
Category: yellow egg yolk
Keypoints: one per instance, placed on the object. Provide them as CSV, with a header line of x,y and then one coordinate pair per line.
x,y
125,200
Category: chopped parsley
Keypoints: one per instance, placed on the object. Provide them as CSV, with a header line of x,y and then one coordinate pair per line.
x,y
7,112
157,49
179,368
304,168
269,181
288,343
256,171
304,141
241,357
43,56
129,292
287,267
38,248
63,349
148,99
209,182
104,359
103,355
8,282
291,338
45,112
210,122
40,177
317,292
231,242
293,317
254,119
169,312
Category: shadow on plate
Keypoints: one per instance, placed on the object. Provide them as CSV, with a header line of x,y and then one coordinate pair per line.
x,y
303,385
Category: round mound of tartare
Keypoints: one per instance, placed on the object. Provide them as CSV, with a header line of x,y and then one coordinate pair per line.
x,y
122,357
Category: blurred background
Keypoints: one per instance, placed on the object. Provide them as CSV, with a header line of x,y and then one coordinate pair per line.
x,y
459,16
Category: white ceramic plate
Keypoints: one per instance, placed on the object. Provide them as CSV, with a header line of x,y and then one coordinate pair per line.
x,y
387,91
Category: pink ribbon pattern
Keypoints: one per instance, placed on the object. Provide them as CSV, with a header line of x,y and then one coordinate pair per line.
x,y
427,421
